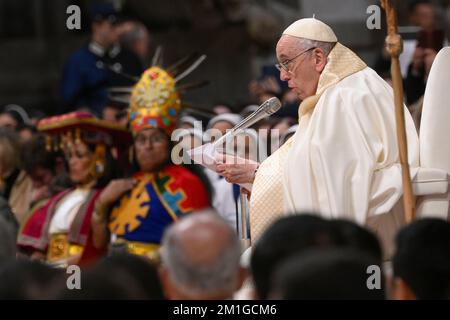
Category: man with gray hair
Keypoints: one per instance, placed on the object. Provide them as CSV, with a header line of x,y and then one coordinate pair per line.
x,y
200,258
135,37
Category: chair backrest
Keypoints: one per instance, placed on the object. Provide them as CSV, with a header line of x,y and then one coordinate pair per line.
x,y
435,123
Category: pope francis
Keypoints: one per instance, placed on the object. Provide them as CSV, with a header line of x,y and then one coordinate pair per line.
x,y
343,160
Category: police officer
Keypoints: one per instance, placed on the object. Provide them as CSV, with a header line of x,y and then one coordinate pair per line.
x,y
89,71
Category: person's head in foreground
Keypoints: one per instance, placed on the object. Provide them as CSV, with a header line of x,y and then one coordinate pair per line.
x,y
356,237
29,280
302,53
324,274
117,277
422,261
200,258
285,238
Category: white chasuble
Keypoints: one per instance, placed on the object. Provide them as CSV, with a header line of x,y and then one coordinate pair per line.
x,y
343,160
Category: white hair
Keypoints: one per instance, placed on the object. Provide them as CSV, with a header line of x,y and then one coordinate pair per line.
x,y
305,44
136,32
218,276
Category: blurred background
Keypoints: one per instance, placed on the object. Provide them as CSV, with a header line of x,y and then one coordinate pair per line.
x,y
238,36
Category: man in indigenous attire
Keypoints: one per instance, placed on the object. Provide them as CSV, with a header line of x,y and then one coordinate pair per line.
x,y
343,160
133,213
59,230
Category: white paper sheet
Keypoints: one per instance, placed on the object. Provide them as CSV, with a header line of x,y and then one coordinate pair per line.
x,y
209,157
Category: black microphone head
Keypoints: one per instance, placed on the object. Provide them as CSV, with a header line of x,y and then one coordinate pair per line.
x,y
272,105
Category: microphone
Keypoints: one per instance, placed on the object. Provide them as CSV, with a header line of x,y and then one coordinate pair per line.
x,y
269,107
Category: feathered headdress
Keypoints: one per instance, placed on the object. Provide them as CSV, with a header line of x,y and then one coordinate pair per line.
x,y
154,101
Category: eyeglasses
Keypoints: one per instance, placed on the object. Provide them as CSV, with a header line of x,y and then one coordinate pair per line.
x,y
285,65
154,139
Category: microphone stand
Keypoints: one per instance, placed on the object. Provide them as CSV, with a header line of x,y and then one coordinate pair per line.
x,y
245,222
257,115
267,108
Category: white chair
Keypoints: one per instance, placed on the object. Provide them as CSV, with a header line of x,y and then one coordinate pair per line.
x,y
431,184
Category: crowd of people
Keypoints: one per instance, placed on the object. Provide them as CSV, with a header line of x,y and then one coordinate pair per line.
x,y
107,184
298,257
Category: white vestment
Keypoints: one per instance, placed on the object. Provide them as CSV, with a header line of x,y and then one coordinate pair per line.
x,y
344,161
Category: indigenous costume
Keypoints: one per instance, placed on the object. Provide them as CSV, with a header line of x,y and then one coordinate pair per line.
x,y
140,217
343,160
60,227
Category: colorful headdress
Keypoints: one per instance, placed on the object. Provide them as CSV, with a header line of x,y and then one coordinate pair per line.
x,y
65,130
155,102
155,98
82,126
